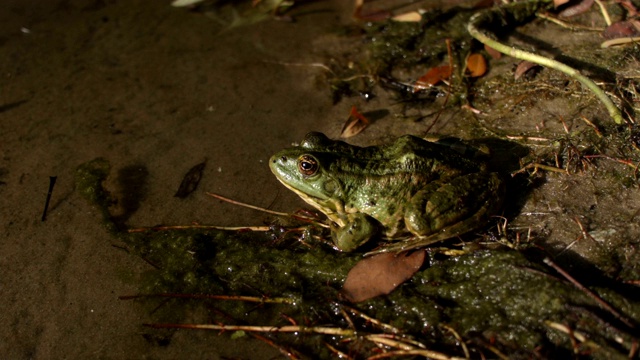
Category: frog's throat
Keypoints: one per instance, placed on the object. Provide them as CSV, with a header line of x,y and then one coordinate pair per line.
x,y
331,208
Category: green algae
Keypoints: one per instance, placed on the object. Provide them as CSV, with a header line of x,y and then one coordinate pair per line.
x,y
499,299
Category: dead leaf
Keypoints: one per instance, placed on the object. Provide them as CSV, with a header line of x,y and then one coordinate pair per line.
x,y
631,9
493,52
190,181
522,68
621,29
577,9
476,65
557,3
369,14
181,3
412,16
380,274
432,77
355,124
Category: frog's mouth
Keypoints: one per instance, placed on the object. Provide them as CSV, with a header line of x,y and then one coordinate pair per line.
x,y
330,207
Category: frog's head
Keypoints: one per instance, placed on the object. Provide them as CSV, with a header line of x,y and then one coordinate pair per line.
x,y
306,172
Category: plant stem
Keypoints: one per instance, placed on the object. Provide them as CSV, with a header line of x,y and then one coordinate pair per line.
x,y
518,12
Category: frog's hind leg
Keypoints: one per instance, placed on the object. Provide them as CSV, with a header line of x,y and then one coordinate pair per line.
x,y
447,209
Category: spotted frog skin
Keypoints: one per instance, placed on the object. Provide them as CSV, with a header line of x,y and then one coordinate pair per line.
x,y
409,187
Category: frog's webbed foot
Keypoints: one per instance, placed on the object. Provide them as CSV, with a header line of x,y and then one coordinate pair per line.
x,y
358,230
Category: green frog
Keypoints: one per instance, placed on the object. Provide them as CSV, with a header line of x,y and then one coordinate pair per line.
x,y
412,189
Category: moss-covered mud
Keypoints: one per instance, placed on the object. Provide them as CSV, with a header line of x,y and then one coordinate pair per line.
x,y
499,300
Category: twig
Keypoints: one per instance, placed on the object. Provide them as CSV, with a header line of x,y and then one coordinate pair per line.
x,y
605,13
572,333
619,41
296,216
187,227
426,353
291,354
325,330
235,202
595,128
339,354
525,138
459,338
487,16
621,161
446,99
564,24
256,299
400,342
320,65
537,166
52,182
603,304
374,321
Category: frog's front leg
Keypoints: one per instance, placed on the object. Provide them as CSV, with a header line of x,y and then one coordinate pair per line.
x,y
454,207
358,229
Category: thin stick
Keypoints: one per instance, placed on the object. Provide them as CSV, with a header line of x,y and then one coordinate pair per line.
x,y
187,227
603,304
426,353
392,340
605,13
567,330
446,99
537,166
296,216
487,16
595,128
619,41
621,161
256,299
459,338
532,138
52,183
568,25
374,321
253,328
220,197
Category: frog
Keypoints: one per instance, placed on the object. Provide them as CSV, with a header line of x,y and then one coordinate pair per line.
x,y
411,191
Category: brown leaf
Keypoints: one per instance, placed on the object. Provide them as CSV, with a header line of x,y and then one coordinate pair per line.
x,y
523,67
369,14
577,9
190,181
621,29
432,77
631,9
492,52
380,274
477,65
355,124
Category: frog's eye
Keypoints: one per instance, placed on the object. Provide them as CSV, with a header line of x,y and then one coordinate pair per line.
x,y
307,165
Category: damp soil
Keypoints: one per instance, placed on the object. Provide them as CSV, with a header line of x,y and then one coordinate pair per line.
x,y
154,90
